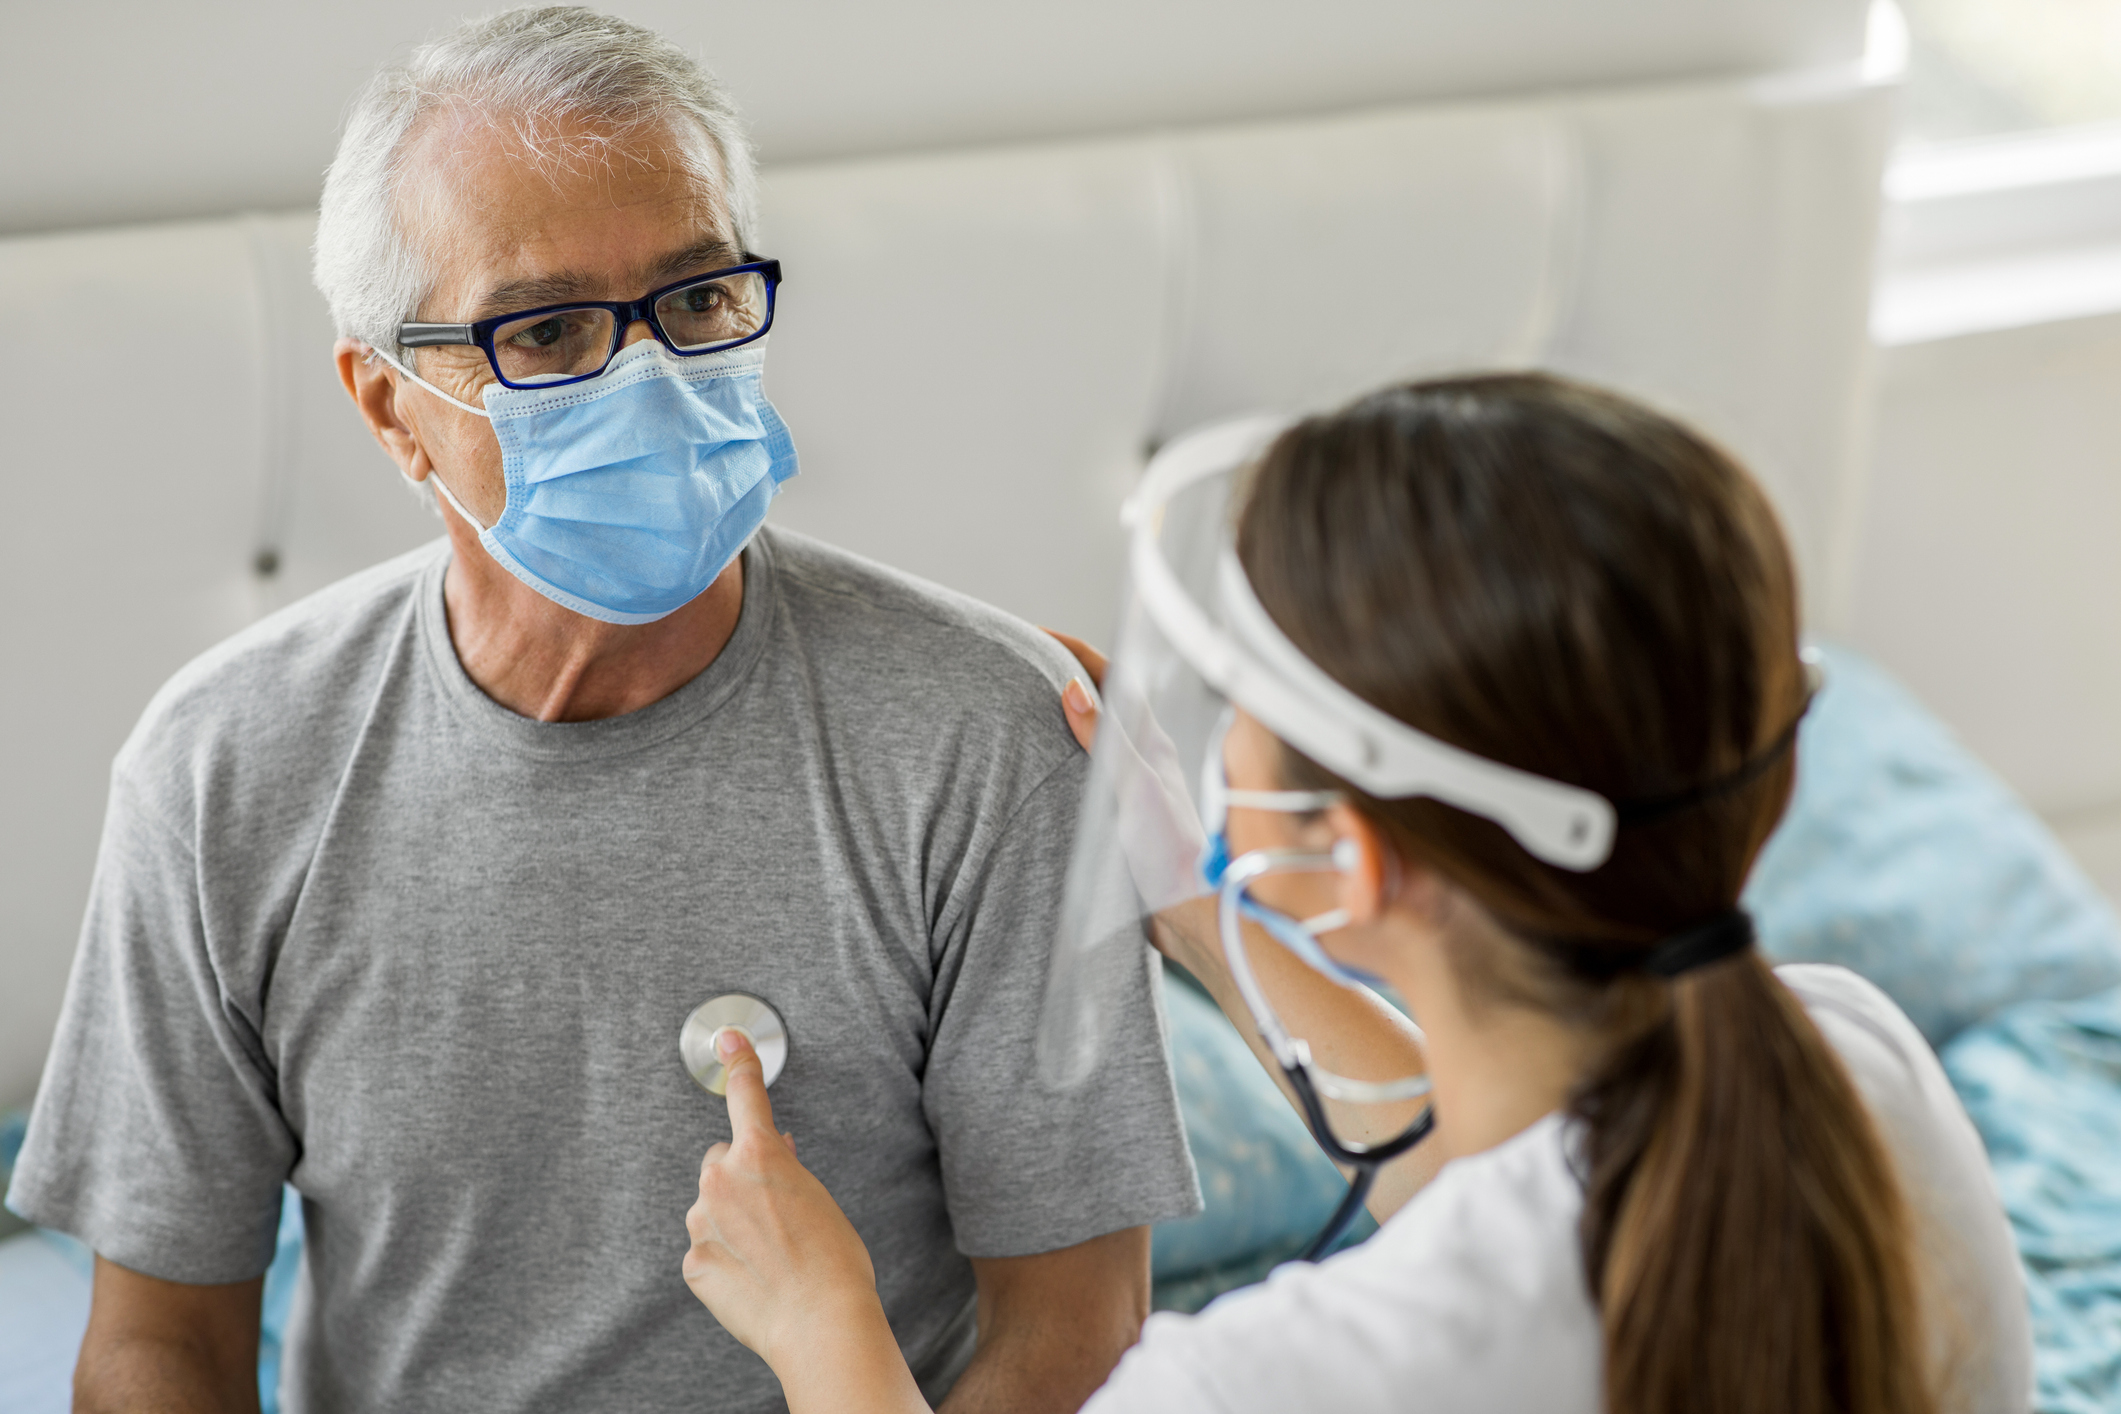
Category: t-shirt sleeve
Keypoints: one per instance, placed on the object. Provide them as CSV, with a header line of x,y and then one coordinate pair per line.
x,y
155,1137
1027,1168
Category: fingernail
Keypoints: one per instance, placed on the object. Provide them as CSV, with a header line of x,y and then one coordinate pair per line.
x,y
1076,696
727,1042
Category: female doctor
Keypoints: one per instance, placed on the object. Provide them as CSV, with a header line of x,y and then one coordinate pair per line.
x,y
1661,1176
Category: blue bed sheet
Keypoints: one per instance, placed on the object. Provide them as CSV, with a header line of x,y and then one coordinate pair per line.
x,y
2043,1083
1905,860
44,1292
1267,1187
43,1311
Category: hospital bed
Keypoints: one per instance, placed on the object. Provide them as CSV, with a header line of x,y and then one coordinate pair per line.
x,y
976,350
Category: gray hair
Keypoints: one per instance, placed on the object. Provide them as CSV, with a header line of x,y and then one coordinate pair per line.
x,y
533,67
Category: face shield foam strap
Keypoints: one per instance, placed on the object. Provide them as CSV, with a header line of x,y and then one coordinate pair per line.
x,y
1648,810
1296,700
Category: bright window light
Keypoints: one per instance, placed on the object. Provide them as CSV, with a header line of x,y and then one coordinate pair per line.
x,y
1979,67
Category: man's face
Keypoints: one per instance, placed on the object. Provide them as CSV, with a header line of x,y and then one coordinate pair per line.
x,y
505,230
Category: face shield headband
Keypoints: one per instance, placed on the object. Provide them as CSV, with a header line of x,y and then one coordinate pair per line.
x,y
1252,663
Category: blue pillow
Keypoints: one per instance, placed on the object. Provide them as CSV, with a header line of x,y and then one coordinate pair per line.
x,y
1902,858
278,1299
1267,1186
14,1126
2043,1084
43,1311
34,1265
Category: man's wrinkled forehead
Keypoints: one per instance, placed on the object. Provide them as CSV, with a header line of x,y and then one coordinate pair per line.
x,y
706,252
510,214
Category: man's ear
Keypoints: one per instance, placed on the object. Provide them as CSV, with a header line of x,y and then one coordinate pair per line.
x,y
373,386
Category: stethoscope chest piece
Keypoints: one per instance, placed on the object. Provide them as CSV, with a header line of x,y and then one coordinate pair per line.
x,y
739,1011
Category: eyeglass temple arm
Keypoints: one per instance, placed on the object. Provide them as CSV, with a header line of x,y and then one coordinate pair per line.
x,y
420,336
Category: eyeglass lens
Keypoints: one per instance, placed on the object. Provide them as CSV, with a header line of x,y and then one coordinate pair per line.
x,y
712,313
576,343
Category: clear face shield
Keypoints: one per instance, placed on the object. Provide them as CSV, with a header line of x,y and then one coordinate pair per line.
x,y
1183,819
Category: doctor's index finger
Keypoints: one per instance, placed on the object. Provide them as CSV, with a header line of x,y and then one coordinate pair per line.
x,y
750,1111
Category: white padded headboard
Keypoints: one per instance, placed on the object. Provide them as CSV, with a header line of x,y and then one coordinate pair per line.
x,y
179,123
1707,247
975,349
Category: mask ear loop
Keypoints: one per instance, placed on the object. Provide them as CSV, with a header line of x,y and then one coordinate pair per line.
x,y
454,504
374,352
1347,856
442,486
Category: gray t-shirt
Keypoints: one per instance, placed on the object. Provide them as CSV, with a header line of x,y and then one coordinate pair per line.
x,y
357,927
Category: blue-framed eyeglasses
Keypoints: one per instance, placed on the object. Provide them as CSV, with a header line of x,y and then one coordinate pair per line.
x,y
567,343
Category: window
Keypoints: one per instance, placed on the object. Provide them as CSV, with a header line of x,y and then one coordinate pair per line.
x,y
1982,67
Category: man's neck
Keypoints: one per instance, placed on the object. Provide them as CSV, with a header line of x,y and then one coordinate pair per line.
x,y
552,664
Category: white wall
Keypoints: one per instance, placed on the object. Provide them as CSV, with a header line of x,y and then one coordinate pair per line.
x,y
125,110
1987,570
1988,576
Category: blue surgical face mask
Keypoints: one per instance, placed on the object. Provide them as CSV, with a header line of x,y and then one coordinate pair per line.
x,y
629,493
1299,936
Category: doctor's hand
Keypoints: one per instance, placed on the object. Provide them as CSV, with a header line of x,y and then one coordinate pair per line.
x,y
1081,710
1159,833
782,1269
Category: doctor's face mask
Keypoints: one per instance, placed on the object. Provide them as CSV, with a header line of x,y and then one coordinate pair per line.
x,y
630,492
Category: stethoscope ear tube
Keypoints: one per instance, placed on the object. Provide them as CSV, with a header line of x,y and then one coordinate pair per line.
x,y
1294,1057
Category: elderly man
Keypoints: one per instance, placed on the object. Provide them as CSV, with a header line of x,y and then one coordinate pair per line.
x,y
406,891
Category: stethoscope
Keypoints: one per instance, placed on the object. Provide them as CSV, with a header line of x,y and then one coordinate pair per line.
x,y
757,1021
748,1016
1313,1083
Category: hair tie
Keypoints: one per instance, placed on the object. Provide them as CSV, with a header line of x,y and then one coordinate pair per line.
x,y
1727,933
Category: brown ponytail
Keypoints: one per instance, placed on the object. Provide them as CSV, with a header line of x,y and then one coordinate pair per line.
x,y
1559,579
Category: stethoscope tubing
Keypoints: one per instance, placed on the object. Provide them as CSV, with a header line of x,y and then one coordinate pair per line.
x,y
1294,1057
1365,1159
